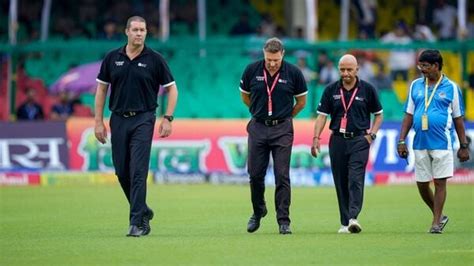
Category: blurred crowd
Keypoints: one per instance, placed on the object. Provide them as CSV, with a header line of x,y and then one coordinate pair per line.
x,y
371,69
433,20
429,21
35,102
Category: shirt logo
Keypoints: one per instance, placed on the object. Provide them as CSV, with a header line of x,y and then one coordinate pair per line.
x,y
141,64
284,81
119,63
336,97
260,78
442,94
359,98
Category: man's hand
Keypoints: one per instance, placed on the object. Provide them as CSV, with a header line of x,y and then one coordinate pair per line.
x,y
402,150
165,128
315,148
100,132
463,154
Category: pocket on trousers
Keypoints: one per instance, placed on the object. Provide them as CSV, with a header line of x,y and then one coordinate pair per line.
x,y
248,126
366,141
111,121
363,144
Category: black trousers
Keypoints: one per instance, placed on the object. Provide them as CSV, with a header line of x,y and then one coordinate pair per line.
x,y
131,147
277,140
348,162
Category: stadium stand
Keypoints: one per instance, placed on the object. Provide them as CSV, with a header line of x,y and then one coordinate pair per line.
x,y
207,72
210,76
3,91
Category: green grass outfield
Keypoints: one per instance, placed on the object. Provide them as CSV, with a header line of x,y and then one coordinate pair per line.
x,y
206,224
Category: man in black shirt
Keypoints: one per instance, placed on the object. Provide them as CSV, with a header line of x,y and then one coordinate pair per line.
x,y
134,73
349,102
269,87
30,109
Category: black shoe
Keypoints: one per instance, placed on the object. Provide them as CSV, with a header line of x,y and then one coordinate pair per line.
x,y
285,229
146,222
254,222
135,231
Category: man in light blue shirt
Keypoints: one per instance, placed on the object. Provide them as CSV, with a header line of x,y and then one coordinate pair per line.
x,y
433,106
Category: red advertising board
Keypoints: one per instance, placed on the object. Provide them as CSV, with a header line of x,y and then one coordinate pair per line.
x,y
19,179
194,146
218,148
197,151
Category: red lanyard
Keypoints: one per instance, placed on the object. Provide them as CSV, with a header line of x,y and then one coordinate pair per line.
x,y
270,90
346,108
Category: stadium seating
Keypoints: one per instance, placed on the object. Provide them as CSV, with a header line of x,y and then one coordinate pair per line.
x,y
220,23
208,78
82,111
392,107
208,73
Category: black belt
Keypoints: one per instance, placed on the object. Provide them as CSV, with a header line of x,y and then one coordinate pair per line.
x,y
270,122
349,135
128,114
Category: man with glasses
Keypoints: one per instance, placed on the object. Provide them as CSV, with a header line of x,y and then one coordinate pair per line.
x,y
434,104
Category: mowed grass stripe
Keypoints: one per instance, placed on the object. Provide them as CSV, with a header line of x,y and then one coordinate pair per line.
x,y
206,224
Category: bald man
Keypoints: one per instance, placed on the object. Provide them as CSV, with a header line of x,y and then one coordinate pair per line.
x,y
349,101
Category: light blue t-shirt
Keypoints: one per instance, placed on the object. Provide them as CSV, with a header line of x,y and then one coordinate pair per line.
x,y
445,106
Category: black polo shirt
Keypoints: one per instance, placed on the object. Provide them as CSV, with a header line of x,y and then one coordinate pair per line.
x,y
290,84
134,83
358,117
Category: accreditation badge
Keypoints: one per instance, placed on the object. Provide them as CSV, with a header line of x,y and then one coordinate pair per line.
x,y
424,122
342,127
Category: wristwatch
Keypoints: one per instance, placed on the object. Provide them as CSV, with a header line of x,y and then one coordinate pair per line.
x,y
168,117
464,145
373,136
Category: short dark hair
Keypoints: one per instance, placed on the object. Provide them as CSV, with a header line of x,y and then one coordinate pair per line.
x,y
431,56
273,45
134,18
